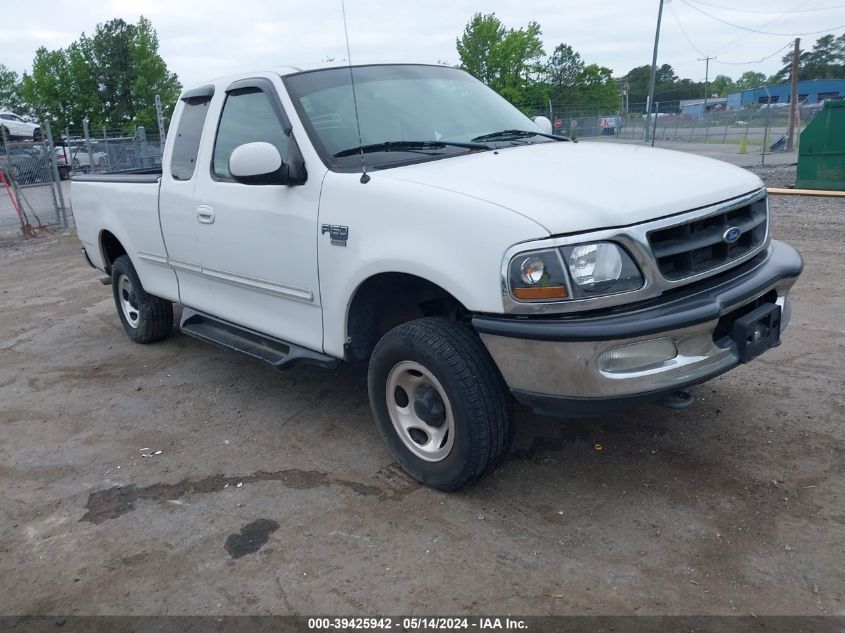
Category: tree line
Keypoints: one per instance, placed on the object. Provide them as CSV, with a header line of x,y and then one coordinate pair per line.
x,y
513,62
110,77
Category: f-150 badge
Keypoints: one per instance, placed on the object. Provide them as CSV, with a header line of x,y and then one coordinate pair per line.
x,y
337,232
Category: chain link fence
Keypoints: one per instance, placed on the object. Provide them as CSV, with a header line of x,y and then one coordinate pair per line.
x,y
32,199
34,175
110,151
753,126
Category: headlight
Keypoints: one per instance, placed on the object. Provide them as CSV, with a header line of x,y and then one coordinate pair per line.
x,y
596,269
601,268
538,276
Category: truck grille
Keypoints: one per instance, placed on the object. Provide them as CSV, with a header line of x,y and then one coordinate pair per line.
x,y
698,246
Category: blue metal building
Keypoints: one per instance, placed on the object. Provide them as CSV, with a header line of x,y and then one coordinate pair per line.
x,y
695,108
809,91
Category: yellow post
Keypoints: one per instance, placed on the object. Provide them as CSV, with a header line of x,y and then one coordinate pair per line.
x,y
743,146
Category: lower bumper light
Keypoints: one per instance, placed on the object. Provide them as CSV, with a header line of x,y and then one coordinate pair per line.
x,y
638,356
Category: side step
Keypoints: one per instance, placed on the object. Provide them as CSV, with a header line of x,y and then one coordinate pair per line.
x,y
279,354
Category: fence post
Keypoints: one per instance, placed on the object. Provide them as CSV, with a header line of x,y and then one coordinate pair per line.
x,y
162,134
88,144
61,212
141,144
766,134
654,129
108,149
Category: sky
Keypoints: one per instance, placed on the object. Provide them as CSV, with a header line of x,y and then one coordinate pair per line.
x,y
202,39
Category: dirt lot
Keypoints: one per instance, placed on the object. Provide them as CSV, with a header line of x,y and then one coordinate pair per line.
x,y
734,506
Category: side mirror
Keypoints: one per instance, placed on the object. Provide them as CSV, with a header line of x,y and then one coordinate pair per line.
x,y
543,123
258,163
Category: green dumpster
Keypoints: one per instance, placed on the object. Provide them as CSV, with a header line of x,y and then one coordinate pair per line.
x,y
821,153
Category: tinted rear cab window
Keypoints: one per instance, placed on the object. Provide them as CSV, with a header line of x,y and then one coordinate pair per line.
x,y
184,158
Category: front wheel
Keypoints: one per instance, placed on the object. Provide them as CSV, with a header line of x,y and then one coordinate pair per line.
x,y
440,403
145,317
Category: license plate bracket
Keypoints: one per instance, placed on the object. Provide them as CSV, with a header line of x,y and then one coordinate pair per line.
x,y
757,331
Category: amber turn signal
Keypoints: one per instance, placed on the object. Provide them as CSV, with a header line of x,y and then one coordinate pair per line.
x,y
540,292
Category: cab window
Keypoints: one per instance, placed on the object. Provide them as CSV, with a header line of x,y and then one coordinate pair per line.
x,y
247,117
183,161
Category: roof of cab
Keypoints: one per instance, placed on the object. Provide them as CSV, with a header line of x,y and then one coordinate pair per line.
x,y
292,69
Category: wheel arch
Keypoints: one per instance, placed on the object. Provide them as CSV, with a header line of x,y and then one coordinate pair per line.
x,y
110,249
387,299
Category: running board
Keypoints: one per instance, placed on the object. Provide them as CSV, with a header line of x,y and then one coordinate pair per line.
x,y
279,354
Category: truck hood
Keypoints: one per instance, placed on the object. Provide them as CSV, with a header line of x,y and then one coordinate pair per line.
x,y
578,187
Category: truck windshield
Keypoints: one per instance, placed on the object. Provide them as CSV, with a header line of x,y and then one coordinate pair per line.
x,y
408,113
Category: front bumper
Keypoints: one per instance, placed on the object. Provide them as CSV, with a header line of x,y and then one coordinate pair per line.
x,y
552,364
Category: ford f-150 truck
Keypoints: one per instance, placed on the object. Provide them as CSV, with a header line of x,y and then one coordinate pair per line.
x,y
407,217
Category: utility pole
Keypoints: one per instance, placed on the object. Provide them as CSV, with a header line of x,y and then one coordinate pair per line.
x,y
706,61
793,96
653,73
706,80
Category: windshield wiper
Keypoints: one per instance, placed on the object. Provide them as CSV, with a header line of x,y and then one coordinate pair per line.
x,y
504,135
406,146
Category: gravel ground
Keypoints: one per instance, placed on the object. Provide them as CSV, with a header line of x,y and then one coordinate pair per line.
x,y
272,492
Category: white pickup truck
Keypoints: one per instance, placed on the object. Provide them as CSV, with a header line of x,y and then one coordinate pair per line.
x,y
416,221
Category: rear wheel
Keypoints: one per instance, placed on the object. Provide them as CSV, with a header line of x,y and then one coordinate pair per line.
x,y
440,403
145,317
36,135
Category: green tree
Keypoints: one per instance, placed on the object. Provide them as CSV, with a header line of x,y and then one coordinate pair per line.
x,y
48,90
508,60
482,35
152,78
667,85
111,77
10,89
563,69
750,79
826,60
721,86
596,87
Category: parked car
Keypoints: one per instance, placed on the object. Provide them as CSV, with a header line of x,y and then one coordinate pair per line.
x,y
434,233
17,127
79,158
16,165
26,164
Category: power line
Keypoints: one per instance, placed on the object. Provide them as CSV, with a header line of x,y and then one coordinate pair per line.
x,y
780,16
754,61
719,61
720,6
745,28
683,31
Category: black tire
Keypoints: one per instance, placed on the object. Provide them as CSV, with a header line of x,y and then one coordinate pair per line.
x,y
64,174
481,405
36,135
153,318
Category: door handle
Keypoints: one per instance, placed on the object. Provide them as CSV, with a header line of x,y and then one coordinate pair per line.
x,y
205,214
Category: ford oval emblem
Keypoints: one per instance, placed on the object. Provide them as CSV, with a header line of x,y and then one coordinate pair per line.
x,y
732,234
